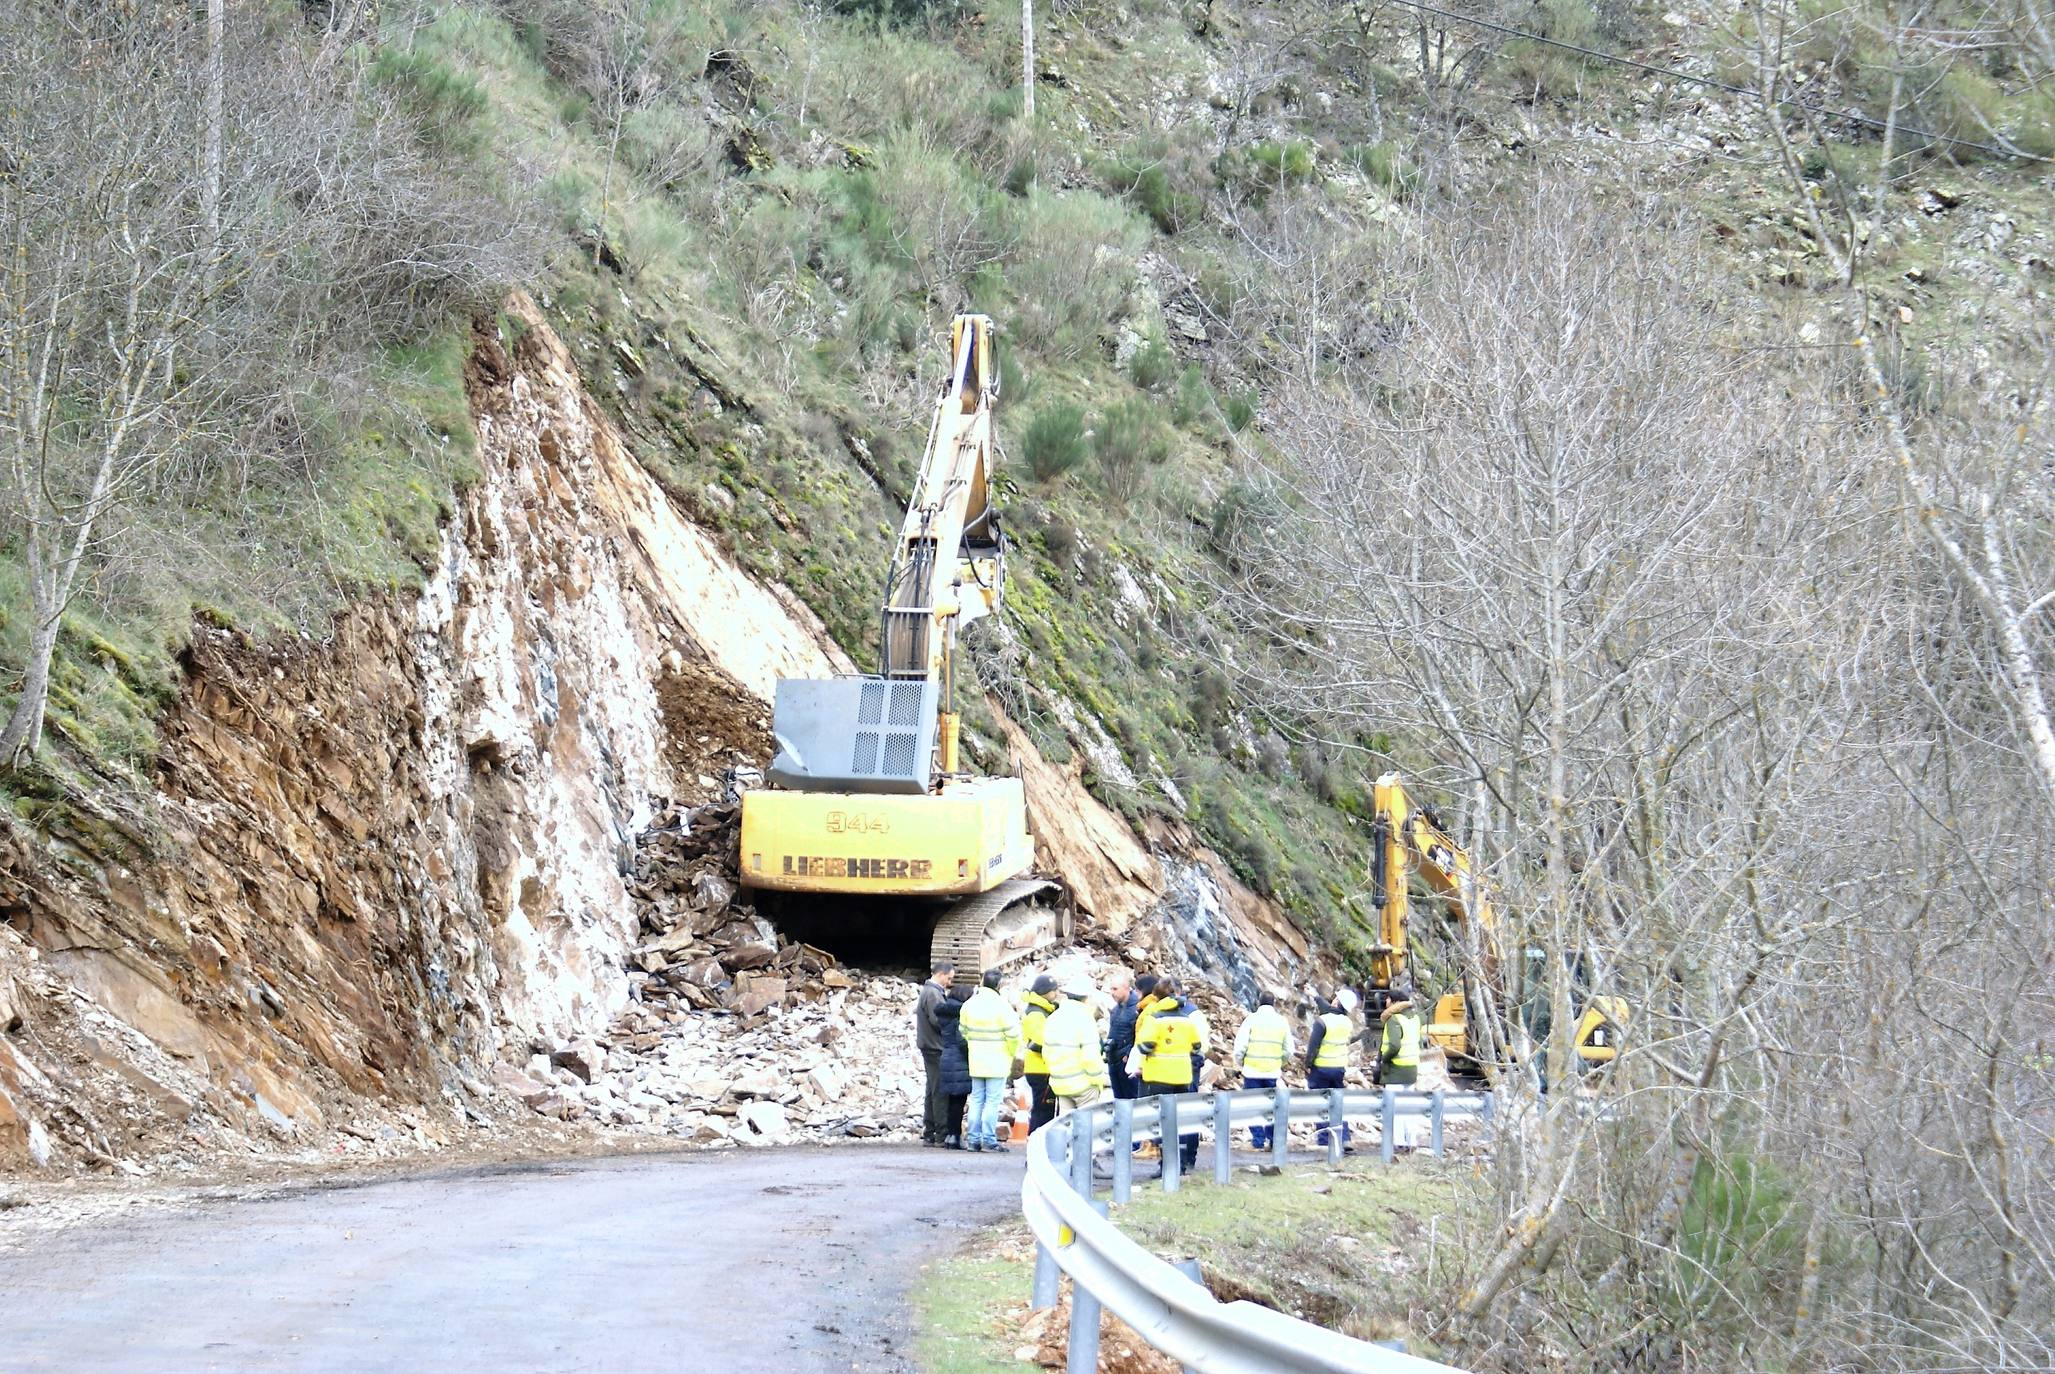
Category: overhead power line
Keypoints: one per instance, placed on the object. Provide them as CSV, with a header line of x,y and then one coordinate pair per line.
x,y
1714,83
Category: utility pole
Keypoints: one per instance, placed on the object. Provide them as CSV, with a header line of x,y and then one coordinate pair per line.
x,y
1027,59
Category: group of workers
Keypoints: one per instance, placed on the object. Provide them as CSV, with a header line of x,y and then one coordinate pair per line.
x,y
973,1042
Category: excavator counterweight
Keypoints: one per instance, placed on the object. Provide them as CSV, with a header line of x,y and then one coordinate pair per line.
x,y
867,796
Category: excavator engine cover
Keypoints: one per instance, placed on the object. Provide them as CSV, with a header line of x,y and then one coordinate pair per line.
x,y
855,734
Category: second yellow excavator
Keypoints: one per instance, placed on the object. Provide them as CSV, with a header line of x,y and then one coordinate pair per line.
x,y
1412,846
867,795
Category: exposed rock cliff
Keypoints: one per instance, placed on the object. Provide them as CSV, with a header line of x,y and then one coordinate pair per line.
x,y
379,865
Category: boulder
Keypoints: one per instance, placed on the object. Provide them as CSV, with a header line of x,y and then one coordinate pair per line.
x,y
766,1121
828,1081
748,954
754,994
757,1082
711,892
583,1058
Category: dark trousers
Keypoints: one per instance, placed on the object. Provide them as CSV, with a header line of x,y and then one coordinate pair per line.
x,y
1125,1084
952,1108
1187,1145
1042,1108
933,1118
1320,1081
1259,1136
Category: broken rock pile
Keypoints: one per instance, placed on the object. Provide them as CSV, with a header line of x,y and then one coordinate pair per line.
x,y
703,949
733,1035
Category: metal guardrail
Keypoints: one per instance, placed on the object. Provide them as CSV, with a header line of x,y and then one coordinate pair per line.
x,y
1166,1307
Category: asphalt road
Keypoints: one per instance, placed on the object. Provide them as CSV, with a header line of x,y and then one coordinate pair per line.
x,y
797,1259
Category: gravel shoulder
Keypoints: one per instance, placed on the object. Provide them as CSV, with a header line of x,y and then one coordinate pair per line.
x,y
790,1259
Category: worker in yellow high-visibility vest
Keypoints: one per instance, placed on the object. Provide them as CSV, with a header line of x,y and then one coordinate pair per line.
x,y
1327,1056
1261,1047
1398,1055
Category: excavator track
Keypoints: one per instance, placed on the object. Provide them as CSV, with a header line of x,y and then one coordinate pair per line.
x,y
1001,927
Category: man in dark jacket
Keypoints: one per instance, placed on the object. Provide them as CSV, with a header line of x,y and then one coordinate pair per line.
x,y
955,1066
927,1038
1120,1031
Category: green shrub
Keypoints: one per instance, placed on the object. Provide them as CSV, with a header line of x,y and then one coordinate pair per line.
x,y
891,11
2035,133
1194,404
1070,269
1262,168
1221,292
1548,71
445,103
1153,365
1964,104
1130,441
1385,165
1291,160
1020,173
1164,180
1240,411
1014,382
1054,442
1246,513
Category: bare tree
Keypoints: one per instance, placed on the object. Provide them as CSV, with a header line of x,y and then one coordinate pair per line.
x,y
155,306
1575,556
1973,487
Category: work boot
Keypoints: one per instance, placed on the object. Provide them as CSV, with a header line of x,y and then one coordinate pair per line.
x,y
954,1142
1000,1146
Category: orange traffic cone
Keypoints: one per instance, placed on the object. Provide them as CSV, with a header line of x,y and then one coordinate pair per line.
x,y
1023,1105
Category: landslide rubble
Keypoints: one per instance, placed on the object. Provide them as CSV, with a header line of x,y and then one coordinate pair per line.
x,y
732,1033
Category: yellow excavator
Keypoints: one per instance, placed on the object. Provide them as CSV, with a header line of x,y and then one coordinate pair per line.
x,y
1412,846
867,796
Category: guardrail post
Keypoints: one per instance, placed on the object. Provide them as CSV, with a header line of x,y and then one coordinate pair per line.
x,y
1223,1137
1166,1136
1391,1122
1335,1126
1081,1151
1083,1354
1190,1269
1281,1125
1123,1148
1047,1277
1434,1122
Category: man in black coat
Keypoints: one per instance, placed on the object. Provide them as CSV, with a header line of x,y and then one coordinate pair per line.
x,y
927,1038
1127,993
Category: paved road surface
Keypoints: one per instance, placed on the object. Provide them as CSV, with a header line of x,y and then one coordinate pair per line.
x,y
781,1260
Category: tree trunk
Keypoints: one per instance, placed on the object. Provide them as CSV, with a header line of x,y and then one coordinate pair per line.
x,y
1027,59
210,192
24,733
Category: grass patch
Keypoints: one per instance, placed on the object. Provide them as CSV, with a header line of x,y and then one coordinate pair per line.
x,y
1340,1247
954,1302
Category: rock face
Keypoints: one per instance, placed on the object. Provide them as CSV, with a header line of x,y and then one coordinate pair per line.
x,y
378,867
